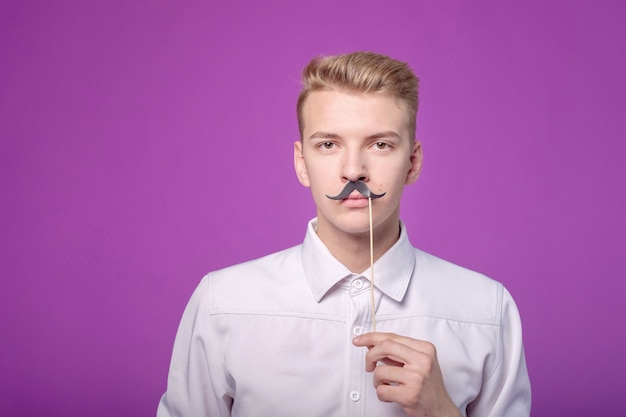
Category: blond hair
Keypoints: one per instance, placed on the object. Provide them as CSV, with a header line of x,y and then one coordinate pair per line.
x,y
361,72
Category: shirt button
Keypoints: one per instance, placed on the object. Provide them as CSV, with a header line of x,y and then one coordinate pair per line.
x,y
355,396
357,330
357,283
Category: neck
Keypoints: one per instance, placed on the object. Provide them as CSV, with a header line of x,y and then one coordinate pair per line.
x,y
353,249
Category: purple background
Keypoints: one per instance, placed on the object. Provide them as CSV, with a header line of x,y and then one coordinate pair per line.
x,y
144,143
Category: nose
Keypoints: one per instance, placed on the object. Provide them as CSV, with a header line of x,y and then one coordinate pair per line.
x,y
354,166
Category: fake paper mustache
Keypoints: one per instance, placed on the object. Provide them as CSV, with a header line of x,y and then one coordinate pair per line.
x,y
360,186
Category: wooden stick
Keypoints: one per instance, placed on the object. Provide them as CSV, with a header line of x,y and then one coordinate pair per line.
x,y
372,266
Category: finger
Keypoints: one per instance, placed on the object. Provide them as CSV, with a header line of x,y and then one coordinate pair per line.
x,y
390,386
398,385
374,338
371,339
389,375
393,375
391,352
387,393
397,394
390,362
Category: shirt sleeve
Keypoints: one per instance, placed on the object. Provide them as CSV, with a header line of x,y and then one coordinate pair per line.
x,y
196,385
506,388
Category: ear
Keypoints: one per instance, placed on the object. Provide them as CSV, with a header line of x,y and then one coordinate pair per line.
x,y
416,163
300,165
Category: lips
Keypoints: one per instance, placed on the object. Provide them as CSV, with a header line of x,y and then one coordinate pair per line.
x,y
354,200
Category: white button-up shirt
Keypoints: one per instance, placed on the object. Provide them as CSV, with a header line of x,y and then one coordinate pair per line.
x,y
273,336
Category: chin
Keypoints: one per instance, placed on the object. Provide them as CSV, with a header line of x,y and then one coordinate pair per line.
x,y
355,230
354,226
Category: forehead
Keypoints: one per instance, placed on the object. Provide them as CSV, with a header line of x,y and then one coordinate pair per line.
x,y
343,112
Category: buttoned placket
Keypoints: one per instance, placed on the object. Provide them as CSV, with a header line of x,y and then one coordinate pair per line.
x,y
358,322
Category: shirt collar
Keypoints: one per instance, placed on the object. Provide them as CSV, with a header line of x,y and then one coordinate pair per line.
x,y
392,272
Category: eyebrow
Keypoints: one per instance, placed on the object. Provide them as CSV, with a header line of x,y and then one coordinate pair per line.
x,y
324,135
385,134
378,135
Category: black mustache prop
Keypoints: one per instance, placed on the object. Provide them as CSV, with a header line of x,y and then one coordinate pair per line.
x,y
360,186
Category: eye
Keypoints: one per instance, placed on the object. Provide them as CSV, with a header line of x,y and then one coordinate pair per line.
x,y
326,145
381,146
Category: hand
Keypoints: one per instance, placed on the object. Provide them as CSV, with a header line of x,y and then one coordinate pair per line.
x,y
411,377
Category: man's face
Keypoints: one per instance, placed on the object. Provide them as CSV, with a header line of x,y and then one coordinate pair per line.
x,y
352,136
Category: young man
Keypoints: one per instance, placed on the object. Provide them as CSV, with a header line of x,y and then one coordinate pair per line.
x,y
294,334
